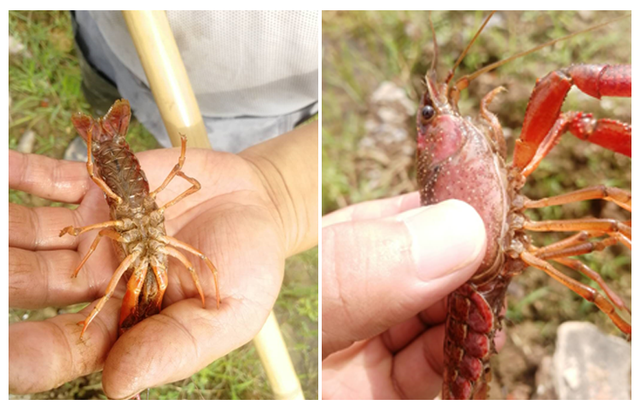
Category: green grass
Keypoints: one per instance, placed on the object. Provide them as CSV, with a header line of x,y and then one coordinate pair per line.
x,y
363,49
44,87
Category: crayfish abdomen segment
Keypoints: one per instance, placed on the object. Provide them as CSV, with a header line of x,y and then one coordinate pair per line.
x,y
474,318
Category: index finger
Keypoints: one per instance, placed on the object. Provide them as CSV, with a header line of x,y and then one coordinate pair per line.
x,y
57,180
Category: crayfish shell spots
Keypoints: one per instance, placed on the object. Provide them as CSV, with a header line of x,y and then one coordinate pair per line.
x,y
455,161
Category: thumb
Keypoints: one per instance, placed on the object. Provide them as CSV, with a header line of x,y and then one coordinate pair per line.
x,y
378,273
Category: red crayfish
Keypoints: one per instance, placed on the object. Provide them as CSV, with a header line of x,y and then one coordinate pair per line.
x,y
137,222
466,159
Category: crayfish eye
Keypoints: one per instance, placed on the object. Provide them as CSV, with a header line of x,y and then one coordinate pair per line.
x,y
428,113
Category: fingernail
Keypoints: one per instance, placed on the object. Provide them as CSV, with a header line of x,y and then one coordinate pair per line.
x,y
446,238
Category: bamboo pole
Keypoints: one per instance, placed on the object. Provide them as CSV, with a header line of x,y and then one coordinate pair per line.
x,y
167,76
277,362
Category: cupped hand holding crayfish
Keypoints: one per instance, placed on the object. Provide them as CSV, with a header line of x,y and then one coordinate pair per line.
x,y
254,210
387,268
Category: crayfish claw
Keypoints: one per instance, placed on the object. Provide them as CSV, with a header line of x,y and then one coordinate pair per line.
x,y
84,325
69,230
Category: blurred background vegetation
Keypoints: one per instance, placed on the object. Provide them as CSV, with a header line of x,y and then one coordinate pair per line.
x,y
44,90
373,69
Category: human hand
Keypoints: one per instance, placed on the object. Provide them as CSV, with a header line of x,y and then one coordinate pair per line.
x,y
387,268
233,220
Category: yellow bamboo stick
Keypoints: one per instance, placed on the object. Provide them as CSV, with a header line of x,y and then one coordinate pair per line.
x,y
167,76
174,96
277,362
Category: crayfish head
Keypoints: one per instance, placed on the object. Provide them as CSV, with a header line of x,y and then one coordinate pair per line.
x,y
438,122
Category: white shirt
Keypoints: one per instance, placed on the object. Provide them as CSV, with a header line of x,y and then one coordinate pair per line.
x,y
254,73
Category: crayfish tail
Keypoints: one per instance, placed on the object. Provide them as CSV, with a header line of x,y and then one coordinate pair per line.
x,y
472,322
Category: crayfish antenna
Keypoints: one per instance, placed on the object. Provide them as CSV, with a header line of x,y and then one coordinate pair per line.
x,y
466,50
464,81
431,78
432,74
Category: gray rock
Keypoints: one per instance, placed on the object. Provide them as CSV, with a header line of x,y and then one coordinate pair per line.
x,y
590,365
545,381
27,142
76,151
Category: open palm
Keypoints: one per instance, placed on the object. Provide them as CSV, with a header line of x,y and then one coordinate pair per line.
x,y
232,220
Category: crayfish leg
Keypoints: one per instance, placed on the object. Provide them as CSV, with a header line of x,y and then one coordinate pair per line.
x,y
178,255
586,292
106,232
194,188
593,275
122,268
76,231
495,131
177,171
176,168
162,279
605,225
585,247
616,195
179,244
580,244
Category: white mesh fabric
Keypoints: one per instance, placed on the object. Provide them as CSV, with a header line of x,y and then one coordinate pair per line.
x,y
240,63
